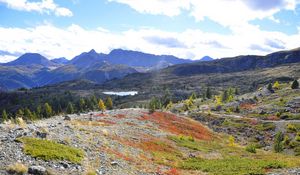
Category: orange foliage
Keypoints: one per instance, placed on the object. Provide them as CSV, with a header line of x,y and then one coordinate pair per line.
x,y
178,125
120,116
247,106
107,122
118,154
100,115
253,121
273,117
147,143
172,171
130,124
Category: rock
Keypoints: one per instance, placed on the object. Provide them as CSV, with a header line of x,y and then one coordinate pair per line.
x,y
68,118
114,163
65,165
41,134
37,170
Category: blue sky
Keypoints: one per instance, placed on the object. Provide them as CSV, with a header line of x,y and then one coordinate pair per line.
x,y
187,29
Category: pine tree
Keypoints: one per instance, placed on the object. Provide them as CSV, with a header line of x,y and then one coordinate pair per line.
x,y
295,84
28,115
47,110
225,96
94,102
81,105
4,116
270,87
154,104
208,93
39,111
278,142
193,96
70,108
109,103
101,105
236,92
20,113
166,98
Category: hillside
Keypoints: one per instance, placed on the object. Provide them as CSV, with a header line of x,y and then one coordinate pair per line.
x,y
130,141
92,66
254,117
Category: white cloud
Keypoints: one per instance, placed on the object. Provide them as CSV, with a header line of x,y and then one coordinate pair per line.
x,y
43,6
230,13
157,7
71,41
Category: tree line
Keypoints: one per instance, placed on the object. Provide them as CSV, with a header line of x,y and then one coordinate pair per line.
x,y
48,110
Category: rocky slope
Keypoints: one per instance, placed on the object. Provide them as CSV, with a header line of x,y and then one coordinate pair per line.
x,y
130,141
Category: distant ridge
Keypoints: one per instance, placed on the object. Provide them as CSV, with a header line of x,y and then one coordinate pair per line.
x,y
31,59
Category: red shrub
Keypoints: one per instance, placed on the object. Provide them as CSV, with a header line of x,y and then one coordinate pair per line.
x,y
178,125
120,116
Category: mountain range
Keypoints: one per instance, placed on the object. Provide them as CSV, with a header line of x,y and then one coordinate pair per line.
x,y
34,70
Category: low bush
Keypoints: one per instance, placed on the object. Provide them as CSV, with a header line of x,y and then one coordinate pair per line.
x,y
251,148
50,150
17,168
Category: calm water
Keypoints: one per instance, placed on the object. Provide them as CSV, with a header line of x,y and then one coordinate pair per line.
x,y
125,93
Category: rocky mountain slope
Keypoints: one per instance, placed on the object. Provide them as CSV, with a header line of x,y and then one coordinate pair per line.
x,y
93,66
130,141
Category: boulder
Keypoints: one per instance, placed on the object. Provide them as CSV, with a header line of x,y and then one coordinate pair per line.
x,y
68,118
41,134
37,170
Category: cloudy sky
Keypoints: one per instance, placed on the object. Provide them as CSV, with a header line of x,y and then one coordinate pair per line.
x,y
184,28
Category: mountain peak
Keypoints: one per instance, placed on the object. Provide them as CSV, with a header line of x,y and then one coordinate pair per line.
x,y
31,59
206,58
92,52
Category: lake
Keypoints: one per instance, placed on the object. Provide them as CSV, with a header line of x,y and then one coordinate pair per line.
x,y
125,93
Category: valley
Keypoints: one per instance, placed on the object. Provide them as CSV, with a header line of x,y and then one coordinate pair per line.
x,y
195,118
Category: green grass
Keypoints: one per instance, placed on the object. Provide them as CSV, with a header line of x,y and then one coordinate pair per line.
x,y
231,166
50,150
232,160
185,141
265,126
236,124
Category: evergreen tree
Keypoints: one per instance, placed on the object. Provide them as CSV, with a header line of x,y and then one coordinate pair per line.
x,y
39,111
81,105
208,93
70,108
193,96
20,113
94,102
101,105
109,103
154,104
47,110
278,142
4,116
236,92
59,109
295,84
225,96
270,87
166,98
28,115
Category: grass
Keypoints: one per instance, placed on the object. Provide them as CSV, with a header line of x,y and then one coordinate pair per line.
x,y
265,126
50,150
184,141
233,160
17,168
231,166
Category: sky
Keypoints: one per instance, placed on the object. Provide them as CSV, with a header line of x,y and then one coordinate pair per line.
x,y
188,29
